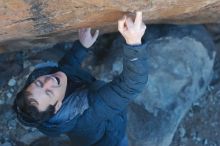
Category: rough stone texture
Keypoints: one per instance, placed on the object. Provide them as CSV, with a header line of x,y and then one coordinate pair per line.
x,y
31,23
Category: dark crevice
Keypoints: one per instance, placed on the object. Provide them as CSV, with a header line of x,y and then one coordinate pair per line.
x,y
41,21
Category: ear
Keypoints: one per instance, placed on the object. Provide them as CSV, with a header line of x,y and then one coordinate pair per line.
x,y
57,106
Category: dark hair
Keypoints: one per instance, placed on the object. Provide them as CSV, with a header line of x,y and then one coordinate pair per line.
x,y
27,113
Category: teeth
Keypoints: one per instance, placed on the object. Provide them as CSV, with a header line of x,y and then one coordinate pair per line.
x,y
54,78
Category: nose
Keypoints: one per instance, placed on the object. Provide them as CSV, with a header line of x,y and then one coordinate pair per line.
x,y
48,82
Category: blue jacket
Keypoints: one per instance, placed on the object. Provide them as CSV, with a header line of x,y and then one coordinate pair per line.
x,y
98,117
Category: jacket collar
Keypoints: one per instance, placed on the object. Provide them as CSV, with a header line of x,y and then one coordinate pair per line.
x,y
73,106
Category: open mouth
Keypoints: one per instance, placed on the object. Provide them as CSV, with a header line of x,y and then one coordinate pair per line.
x,y
56,79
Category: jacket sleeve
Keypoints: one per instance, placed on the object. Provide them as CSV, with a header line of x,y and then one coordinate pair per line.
x,y
114,97
75,55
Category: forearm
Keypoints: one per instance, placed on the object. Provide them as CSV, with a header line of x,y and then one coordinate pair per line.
x,y
130,82
114,97
134,73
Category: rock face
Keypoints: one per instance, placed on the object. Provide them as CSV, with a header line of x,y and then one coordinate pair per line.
x,y
30,23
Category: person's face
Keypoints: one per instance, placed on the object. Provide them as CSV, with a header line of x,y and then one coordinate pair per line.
x,y
48,90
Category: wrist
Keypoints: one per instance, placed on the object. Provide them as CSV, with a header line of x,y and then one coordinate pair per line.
x,y
85,45
134,42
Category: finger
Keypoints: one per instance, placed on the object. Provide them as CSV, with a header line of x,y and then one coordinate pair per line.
x,y
138,19
81,32
95,36
144,26
82,29
121,23
129,22
88,30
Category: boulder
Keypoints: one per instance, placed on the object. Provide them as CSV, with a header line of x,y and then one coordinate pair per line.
x,y
37,23
180,60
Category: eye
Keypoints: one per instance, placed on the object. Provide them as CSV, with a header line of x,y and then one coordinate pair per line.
x,y
49,93
39,83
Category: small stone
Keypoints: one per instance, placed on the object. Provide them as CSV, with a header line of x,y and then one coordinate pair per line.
x,y
194,136
12,90
196,104
210,88
198,139
214,124
184,140
190,114
205,142
12,124
31,69
90,67
12,82
26,64
182,132
9,95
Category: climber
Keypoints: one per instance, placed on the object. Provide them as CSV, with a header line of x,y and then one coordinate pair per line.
x,y
61,99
